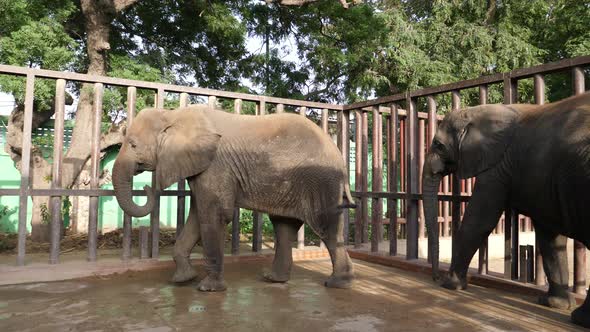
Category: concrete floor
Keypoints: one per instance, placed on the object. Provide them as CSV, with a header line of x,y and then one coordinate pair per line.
x,y
382,299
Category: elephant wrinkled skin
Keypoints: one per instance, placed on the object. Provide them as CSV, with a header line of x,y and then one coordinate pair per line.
x,y
281,164
533,159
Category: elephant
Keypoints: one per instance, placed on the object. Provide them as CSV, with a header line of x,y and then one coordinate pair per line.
x,y
281,164
534,159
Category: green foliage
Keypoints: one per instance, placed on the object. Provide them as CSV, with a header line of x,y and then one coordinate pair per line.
x,y
247,223
65,212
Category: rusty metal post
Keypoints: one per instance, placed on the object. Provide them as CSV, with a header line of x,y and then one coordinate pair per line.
x,y
392,174
421,156
510,216
412,179
343,125
95,169
358,182
258,220
301,231
325,130
235,225
155,214
25,170
377,181
456,184
365,176
539,86
58,149
579,248
432,125
482,266
181,185
127,221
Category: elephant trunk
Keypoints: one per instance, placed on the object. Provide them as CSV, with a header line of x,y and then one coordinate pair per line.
x,y
430,185
123,172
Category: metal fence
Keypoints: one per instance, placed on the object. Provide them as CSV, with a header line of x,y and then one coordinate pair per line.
x,y
407,135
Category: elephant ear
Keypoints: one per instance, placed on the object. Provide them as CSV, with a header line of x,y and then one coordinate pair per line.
x,y
483,137
186,146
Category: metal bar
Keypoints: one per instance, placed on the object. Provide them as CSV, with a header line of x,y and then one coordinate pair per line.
x,y
432,125
482,265
81,192
95,169
539,87
392,173
212,101
421,156
303,111
365,176
144,242
343,126
155,214
235,225
412,179
358,182
280,108
579,87
58,149
456,184
181,185
377,182
127,221
258,220
325,120
510,97
25,170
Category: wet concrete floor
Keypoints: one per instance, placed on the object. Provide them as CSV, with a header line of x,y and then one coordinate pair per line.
x,y
382,299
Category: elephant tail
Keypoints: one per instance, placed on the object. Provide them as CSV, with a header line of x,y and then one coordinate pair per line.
x,y
349,201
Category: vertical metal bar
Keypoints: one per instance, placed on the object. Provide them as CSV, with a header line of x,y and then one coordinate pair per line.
x,y
280,108
258,220
539,87
510,254
579,248
377,181
482,267
365,176
127,221
235,225
343,125
58,148
412,178
155,215
325,120
25,170
95,169
302,111
358,180
432,125
392,173
212,101
181,185
421,156
456,183
143,242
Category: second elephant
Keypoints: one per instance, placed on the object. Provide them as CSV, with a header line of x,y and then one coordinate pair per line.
x,y
281,164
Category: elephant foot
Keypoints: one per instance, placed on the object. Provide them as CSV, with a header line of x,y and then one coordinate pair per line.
x,y
560,302
184,271
343,281
275,277
212,285
454,283
581,316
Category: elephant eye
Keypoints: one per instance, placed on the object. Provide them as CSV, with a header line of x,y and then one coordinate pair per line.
x,y
133,144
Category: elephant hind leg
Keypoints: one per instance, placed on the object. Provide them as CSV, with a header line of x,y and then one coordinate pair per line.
x,y
581,316
285,233
186,241
553,250
343,273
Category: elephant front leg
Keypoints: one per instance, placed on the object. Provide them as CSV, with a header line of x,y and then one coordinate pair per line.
x,y
553,251
212,239
188,238
343,273
285,233
480,218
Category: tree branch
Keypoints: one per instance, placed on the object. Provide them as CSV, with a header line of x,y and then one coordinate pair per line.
x,y
344,3
121,5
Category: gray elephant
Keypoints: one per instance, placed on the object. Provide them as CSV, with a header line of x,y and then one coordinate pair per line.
x,y
533,159
281,164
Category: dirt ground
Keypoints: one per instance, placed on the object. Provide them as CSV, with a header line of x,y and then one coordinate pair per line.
x,y
382,299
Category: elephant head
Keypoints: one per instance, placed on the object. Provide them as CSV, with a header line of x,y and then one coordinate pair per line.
x,y
467,143
175,144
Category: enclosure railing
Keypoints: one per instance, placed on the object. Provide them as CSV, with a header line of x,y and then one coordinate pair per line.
x,y
407,135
